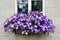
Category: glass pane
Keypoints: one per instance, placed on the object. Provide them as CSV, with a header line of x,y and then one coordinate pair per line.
x,y
22,6
37,5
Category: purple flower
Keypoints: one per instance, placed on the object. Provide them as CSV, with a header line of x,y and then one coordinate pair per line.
x,y
34,22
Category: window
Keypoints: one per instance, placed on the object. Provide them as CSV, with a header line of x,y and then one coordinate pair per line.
x,y
35,5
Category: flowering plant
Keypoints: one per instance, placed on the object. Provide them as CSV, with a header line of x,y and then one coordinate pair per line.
x,y
34,22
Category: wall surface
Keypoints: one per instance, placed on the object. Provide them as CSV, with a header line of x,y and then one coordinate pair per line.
x,y
52,12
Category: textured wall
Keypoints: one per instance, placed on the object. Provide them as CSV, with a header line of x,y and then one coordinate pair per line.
x,y
52,12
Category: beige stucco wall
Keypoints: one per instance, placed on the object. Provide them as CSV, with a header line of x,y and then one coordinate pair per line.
x,y
52,12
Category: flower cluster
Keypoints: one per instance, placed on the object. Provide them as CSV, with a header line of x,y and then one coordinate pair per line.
x,y
34,22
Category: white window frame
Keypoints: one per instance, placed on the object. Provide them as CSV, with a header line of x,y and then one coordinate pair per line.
x,y
29,6
16,10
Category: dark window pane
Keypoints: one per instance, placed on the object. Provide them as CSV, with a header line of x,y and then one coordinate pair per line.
x,y
23,6
37,5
